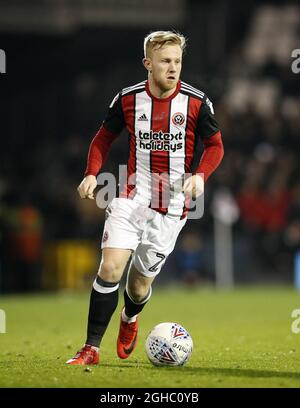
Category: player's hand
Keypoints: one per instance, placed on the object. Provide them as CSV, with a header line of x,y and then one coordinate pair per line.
x,y
194,186
87,186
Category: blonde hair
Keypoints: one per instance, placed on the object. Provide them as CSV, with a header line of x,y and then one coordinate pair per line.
x,y
160,38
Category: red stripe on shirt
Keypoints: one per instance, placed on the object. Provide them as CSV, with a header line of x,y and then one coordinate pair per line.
x,y
159,159
128,105
193,113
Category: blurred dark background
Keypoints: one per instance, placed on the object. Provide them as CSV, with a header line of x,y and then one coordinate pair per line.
x,y
66,60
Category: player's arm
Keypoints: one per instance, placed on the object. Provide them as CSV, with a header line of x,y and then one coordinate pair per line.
x,y
100,146
208,130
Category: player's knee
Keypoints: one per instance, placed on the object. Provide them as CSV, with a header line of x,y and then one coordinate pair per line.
x,y
139,292
110,271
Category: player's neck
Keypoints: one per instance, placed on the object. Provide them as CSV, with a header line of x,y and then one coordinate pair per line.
x,y
157,91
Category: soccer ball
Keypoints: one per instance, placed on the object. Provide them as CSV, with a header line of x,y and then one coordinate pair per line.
x,y
169,344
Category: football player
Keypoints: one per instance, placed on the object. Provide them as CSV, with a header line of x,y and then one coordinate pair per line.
x,y
165,118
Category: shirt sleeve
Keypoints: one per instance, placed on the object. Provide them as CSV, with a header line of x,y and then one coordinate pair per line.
x,y
207,125
98,151
212,155
114,121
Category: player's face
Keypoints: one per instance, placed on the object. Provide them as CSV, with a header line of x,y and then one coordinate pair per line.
x,y
165,64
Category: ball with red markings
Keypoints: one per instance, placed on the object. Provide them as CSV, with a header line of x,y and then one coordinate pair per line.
x,y
169,344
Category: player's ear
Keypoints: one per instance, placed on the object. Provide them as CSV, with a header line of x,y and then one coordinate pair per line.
x,y
147,64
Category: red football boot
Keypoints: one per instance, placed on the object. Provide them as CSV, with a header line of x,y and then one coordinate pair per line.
x,y
86,356
127,338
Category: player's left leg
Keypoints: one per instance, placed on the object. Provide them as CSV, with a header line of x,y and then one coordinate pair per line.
x,y
157,243
136,295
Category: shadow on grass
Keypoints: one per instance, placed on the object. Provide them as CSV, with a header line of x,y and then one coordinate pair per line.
x,y
200,371
213,371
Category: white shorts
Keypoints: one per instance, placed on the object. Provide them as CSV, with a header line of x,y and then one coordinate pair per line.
x,y
151,235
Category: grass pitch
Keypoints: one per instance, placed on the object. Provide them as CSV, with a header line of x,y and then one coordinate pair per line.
x,y
241,338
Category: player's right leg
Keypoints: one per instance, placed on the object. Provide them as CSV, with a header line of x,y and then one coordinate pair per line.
x,y
103,302
121,235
